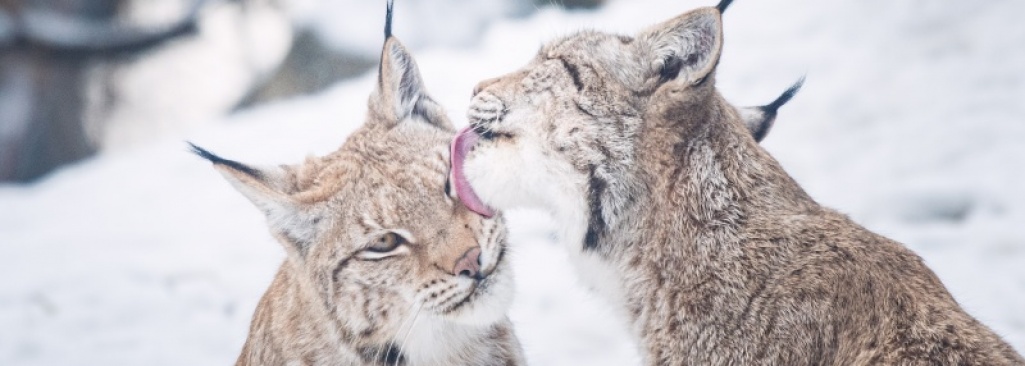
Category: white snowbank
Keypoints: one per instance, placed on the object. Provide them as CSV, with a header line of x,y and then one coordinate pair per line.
x,y
910,121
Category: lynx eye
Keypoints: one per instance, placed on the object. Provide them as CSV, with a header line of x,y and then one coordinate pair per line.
x,y
384,246
386,243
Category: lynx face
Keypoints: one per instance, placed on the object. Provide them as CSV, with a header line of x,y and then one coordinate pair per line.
x,y
391,241
563,132
372,226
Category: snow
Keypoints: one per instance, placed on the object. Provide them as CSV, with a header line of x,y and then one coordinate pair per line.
x,y
911,122
355,25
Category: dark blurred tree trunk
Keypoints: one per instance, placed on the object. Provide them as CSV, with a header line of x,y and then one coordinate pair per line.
x,y
42,89
47,131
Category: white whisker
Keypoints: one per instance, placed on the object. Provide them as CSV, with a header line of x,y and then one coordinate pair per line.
x,y
409,331
401,325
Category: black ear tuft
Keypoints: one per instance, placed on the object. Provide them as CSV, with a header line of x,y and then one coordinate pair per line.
x,y
723,5
217,160
387,18
773,107
684,49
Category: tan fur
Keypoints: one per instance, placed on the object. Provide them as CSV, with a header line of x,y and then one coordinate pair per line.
x,y
674,212
339,301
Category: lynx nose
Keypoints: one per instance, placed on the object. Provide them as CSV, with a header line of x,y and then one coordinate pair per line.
x,y
469,264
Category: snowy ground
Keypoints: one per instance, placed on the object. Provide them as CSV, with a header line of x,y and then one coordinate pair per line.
x,y
911,121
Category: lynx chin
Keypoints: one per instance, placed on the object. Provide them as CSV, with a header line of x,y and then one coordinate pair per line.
x,y
383,267
675,214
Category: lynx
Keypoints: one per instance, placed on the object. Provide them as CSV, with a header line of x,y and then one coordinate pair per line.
x,y
693,231
383,267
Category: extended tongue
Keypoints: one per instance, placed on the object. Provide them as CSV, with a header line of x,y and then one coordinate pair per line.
x,y
461,145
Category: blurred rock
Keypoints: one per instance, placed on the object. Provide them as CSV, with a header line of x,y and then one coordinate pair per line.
x,y
78,76
45,48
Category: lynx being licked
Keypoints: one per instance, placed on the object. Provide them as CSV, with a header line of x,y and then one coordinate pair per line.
x,y
383,266
673,212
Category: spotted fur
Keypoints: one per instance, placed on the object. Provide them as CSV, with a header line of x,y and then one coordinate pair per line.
x,y
672,210
374,246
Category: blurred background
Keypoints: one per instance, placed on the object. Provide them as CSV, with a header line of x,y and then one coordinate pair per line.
x,y
119,248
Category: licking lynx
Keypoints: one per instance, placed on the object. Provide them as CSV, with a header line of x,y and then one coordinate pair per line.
x,y
383,266
693,231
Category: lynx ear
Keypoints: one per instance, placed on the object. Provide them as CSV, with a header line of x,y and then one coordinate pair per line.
x,y
760,119
400,88
685,48
265,188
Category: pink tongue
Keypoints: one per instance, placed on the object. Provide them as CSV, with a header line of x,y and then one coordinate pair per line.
x,y
462,145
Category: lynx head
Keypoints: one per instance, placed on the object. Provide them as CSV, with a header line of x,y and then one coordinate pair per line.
x,y
563,133
371,227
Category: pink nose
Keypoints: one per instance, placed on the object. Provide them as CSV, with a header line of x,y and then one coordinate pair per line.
x,y
469,264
